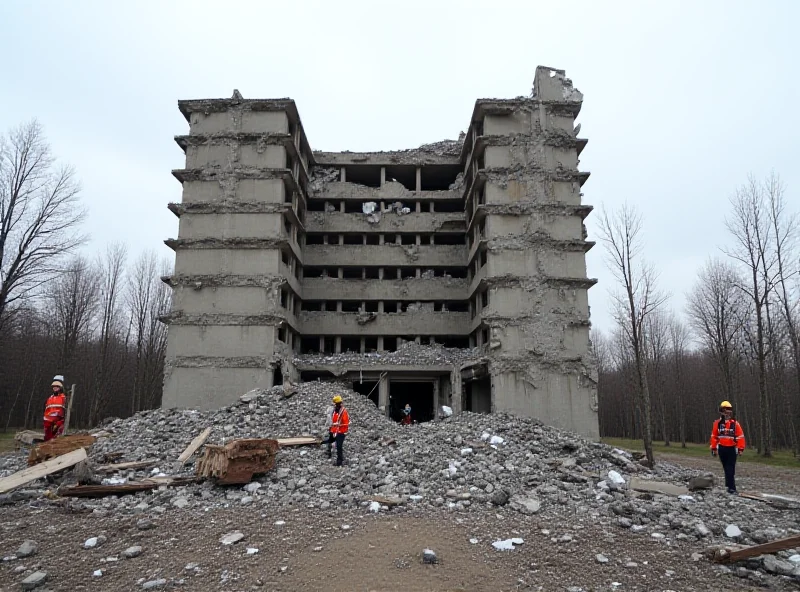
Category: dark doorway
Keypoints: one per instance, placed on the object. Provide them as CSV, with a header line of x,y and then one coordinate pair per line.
x,y
368,388
478,395
277,375
417,394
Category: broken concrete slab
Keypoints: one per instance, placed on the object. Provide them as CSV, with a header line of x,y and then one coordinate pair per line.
x,y
661,487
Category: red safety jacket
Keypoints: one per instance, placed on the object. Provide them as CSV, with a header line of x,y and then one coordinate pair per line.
x,y
727,433
56,407
341,421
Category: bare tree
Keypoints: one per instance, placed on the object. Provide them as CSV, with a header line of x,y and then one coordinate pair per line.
x,y
621,233
717,311
785,235
656,342
749,225
112,345
72,301
679,345
148,298
39,216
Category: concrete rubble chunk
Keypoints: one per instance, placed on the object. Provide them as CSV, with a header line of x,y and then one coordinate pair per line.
x,y
778,566
732,531
34,580
231,538
153,584
132,552
27,549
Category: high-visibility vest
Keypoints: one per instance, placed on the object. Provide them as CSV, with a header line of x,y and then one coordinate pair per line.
x,y
341,421
727,432
56,407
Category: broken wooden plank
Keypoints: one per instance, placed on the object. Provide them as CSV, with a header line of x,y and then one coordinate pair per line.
x,y
172,480
104,490
126,466
299,441
237,461
41,470
778,501
648,486
58,447
194,445
728,556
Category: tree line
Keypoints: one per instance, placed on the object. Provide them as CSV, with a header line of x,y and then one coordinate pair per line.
x,y
95,321
662,374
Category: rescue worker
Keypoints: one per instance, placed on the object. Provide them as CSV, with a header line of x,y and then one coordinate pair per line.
x,y
727,441
338,430
406,415
55,411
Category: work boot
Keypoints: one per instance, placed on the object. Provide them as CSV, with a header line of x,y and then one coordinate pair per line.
x,y
733,492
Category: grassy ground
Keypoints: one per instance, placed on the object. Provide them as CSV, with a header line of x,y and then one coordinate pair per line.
x,y
7,440
780,458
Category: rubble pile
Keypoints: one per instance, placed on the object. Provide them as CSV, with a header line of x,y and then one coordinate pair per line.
x,y
463,464
409,353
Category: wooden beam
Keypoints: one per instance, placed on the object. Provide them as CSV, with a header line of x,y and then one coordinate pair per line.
x,y
41,470
726,556
298,441
193,446
136,464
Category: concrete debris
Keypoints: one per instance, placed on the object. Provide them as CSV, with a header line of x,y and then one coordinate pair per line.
x,y
429,557
231,538
507,544
132,552
701,482
732,531
34,580
538,470
409,353
27,549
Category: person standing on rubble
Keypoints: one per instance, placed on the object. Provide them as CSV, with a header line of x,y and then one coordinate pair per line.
x,y
727,441
55,410
340,423
406,415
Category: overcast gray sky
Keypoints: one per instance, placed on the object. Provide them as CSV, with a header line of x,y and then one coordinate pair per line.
x,y
681,99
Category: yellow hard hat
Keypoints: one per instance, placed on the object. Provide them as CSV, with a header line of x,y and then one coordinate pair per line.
x,y
725,405
337,399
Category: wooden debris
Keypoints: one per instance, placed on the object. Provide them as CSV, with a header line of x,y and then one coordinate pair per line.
x,y
778,501
42,469
126,466
237,461
194,445
388,501
123,488
299,441
731,556
58,447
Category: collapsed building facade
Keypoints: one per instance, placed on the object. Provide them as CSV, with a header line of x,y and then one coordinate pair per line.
x,y
453,274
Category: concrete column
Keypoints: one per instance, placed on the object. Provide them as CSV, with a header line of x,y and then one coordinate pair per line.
x,y
383,176
419,236
418,272
321,344
380,309
436,403
338,343
380,342
380,273
419,179
455,389
418,207
380,239
363,345
340,273
418,340
341,207
341,237
383,394
338,306
324,239
342,175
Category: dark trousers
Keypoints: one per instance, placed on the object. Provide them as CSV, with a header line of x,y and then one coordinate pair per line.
x,y
337,439
727,455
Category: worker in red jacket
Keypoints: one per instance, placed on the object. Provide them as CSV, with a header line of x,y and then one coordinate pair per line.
x,y
55,411
340,424
727,441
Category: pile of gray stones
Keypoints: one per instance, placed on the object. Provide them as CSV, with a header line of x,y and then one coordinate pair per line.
x,y
463,464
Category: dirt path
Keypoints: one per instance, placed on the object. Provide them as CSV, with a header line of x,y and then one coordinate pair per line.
x,y
749,476
312,551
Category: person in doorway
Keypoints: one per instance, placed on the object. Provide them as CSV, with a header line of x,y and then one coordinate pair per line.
x,y
406,415
55,411
340,424
727,442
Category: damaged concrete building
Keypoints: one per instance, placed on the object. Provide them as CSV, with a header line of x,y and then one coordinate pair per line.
x,y
453,274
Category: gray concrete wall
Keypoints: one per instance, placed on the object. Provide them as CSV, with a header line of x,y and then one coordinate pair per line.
x,y
226,226
410,289
211,388
400,323
227,262
390,222
385,255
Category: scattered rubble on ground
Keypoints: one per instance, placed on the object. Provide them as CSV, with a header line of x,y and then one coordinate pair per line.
x,y
514,463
